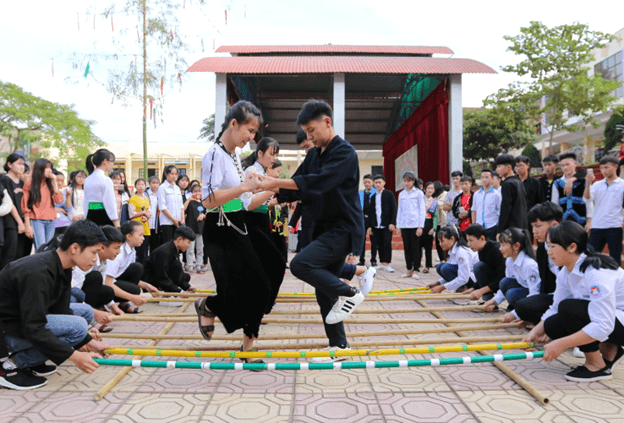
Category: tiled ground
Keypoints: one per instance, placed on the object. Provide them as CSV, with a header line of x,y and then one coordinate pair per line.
x,y
470,393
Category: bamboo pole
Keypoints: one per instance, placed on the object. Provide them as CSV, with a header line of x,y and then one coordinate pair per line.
x,y
295,299
104,390
188,319
505,369
419,288
303,295
314,335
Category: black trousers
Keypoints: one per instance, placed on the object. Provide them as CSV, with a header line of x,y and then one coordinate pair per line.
x,y
166,233
97,295
411,248
531,309
4,352
441,253
373,260
154,240
179,279
320,265
280,242
384,244
612,237
99,217
573,316
16,246
129,280
141,251
493,231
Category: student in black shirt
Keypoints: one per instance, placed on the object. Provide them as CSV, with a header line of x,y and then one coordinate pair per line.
x,y
195,218
382,221
490,269
15,243
35,312
163,268
550,164
513,212
532,186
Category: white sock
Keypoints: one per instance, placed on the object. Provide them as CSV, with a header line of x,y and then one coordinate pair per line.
x,y
8,365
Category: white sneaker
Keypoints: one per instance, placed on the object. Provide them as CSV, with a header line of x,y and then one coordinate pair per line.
x,y
578,353
389,269
366,280
406,275
415,276
343,308
331,359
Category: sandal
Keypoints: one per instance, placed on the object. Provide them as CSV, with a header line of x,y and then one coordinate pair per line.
x,y
127,308
426,270
200,308
103,328
246,360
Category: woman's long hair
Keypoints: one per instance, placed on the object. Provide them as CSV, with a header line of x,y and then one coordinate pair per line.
x,y
521,236
73,184
263,145
94,160
39,179
567,233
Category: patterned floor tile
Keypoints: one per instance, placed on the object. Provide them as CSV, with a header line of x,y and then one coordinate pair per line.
x,y
66,407
162,408
412,379
476,377
425,407
14,403
256,408
549,376
181,381
274,382
510,407
82,382
351,407
599,406
331,382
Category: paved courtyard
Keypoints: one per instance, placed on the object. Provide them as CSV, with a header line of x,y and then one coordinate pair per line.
x,y
458,393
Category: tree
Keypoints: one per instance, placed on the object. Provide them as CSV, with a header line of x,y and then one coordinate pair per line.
x,y
490,132
556,59
26,119
614,129
208,130
533,154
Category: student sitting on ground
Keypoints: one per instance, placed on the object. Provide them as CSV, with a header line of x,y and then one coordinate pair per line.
x,y
490,269
163,268
542,217
522,278
124,275
588,306
35,311
457,271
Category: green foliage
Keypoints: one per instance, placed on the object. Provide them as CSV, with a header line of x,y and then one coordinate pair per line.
x,y
533,154
466,168
208,129
491,132
27,120
612,134
556,58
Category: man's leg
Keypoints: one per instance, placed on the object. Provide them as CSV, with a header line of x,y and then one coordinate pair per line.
x,y
491,232
484,275
614,241
83,310
597,239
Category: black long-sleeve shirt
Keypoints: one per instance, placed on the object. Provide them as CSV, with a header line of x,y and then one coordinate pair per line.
x,y
388,209
164,270
330,179
30,289
534,192
491,255
513,211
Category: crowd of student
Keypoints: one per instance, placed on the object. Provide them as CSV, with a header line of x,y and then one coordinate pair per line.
x,y
113,245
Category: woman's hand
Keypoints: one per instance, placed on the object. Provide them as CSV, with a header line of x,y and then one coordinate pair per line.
x,y
489,305
419,231
431,232
29,232
553,349
252,182
21,228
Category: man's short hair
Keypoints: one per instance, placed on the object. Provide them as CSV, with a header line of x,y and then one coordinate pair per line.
x,y
368,176
567,156
609,159
84,233
457,173
546,212
550,158
380,177
301,136
523,159
466,179
184,232
112,234
314,109
506,159
490,171
476,230
496,175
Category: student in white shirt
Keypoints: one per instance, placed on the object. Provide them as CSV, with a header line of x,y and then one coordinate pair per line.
x,y
100,206
486,205
411,220
607,195
450,197
588,306
457,272
152,194
124,274
170,204
522,277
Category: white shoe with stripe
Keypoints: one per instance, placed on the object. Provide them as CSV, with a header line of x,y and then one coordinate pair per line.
x,y
343,308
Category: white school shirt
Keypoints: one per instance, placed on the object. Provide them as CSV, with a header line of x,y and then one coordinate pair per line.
x,y
124,259
589,205
219,171
378,208
608,201
169,198
603,288
153,199
486,206
98,188
465,260
412,209
77,204
525,271
450,197
257,169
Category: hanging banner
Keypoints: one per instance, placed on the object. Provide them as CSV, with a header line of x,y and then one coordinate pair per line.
x,y
86,72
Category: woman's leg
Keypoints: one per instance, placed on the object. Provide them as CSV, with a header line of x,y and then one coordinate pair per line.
x,y
134,274
50,228
39,230
408,248
9,251
447,271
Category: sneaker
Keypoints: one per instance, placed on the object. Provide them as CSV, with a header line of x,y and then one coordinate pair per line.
x,y
366,280
583,374
343,308
406,275
43,369
375,265
415,276
578,353
389,269
21,380
200,270
190,270
619,355
462,302
331,359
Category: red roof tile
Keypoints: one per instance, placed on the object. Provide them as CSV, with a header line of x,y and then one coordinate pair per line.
x,y
328,48
332,64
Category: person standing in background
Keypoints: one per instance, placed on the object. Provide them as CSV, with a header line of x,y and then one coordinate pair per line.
x,y
486,205
383,221
365,197
450,197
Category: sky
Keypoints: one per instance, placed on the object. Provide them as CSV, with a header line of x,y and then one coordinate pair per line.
x,y
38,35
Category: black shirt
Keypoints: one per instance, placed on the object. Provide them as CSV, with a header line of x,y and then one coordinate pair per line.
x,y
534,192
548,278
491,255
160,267
547,186
388,209
30,289
330,179
193,211
513,211
16,193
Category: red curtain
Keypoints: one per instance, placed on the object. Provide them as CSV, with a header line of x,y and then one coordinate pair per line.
x,y
427,127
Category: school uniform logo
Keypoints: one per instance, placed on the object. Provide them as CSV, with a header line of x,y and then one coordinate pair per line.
x,y
595,291
533,278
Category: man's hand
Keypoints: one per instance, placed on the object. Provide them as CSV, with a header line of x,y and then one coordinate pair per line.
x,y
138,300
588,225
84,361
567,190
419,231
437,289
509,317
391,227
463,215
489,305
201,217
369,231
590,177
102,317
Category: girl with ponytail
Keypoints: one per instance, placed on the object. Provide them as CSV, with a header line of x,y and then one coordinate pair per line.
x,y
457,271
100,206
522,277
588,306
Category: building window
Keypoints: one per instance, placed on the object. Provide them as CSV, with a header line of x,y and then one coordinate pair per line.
x,y
150,173
376,170
181,171
611,68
